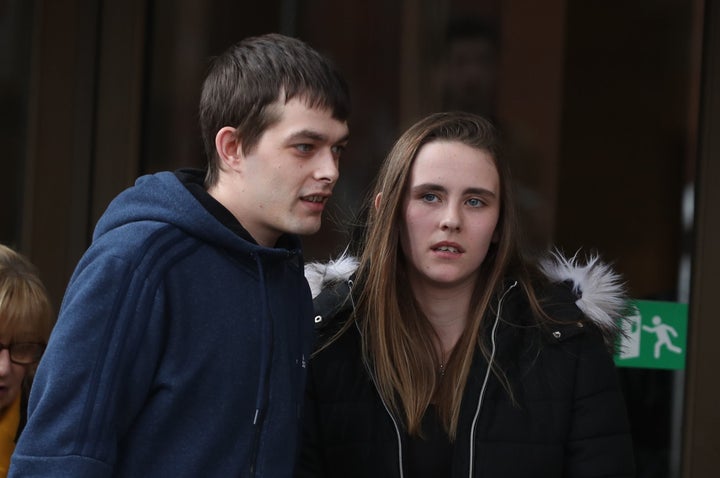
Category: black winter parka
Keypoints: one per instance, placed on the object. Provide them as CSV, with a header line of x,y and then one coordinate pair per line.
x,y
567,418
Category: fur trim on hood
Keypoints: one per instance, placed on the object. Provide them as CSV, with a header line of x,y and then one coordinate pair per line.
x,y
600,291
322,274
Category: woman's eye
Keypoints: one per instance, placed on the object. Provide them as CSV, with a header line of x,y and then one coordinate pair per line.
x,y
474,202
429,197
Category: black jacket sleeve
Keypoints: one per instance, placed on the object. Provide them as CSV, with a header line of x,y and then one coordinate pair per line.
x,y
599,443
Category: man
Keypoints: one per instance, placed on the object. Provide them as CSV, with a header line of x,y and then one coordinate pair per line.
x,y
182,342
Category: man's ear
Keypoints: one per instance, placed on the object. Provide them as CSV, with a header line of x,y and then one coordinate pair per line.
x,y
378,198
228,147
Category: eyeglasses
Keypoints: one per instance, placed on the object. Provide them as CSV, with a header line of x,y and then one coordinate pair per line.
x,y
24,353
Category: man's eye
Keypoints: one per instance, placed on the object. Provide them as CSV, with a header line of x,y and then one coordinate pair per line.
x,y
338,149
304,148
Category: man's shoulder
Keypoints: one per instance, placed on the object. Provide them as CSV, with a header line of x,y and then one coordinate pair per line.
x,y
141,245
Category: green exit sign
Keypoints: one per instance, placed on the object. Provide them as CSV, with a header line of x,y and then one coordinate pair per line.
x,y
655,336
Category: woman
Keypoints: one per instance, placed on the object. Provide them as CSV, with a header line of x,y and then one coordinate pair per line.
x,y
25,324
446,353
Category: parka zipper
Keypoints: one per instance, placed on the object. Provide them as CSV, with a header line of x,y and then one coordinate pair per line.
x,y
392,417
481,397
372,377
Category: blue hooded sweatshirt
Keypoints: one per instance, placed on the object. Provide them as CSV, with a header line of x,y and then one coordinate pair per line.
x,y
179,351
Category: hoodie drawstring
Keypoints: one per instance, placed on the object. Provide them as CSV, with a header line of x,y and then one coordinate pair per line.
x,y
266,352
265,347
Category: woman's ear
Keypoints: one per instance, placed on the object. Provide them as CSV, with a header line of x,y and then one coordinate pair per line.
x,y
378,198
228,147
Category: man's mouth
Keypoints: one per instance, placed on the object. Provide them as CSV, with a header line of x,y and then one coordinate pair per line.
x,y
316,199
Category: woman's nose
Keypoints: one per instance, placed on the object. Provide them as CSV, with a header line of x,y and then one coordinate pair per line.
x,y
450,219
5,362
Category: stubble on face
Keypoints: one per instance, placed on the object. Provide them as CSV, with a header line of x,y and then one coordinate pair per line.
x,y
290,174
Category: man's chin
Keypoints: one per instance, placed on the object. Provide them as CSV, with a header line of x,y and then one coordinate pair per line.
x,y
307,229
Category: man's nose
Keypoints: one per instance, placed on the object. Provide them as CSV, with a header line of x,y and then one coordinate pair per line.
x,y
327,170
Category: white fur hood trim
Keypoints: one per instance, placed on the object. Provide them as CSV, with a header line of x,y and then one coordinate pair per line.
x,y
318,274
600,290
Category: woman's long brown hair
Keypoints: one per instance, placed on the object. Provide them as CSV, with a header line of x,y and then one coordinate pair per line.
x,y
398,340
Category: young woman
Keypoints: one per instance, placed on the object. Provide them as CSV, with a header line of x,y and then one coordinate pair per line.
x,y
25,323
446,353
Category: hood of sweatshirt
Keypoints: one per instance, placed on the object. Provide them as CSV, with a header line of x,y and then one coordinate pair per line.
x,y
163,198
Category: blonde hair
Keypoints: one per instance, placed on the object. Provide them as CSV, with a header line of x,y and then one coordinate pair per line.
x,y
398,341
25,311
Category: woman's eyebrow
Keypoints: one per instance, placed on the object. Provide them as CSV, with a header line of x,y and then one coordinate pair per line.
x,y
480,191
429,187
440,188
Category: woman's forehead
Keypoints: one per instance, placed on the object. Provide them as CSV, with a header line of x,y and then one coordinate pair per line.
x,y
456,163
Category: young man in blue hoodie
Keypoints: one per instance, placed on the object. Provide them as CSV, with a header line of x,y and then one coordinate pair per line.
x,y
182,342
